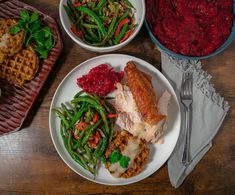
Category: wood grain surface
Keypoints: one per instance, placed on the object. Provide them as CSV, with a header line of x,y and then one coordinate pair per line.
x,y
29,163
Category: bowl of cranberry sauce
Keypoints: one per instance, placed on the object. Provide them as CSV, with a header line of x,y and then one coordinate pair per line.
x,y
190,29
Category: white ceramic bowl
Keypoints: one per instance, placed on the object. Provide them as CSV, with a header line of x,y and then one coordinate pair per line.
x,y
139,14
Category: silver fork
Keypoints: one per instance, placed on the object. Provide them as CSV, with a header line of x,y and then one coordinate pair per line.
x,y
186,99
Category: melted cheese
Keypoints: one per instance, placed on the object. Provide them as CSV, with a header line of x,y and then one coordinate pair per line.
x,y
131,150
4,40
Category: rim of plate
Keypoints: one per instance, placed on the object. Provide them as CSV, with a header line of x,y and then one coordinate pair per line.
x,y
139,60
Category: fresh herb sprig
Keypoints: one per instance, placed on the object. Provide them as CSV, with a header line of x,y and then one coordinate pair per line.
x,y
35,33
116,156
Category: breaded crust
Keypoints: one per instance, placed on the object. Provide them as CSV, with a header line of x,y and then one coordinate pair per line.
x,y
21,67
13,43
119,141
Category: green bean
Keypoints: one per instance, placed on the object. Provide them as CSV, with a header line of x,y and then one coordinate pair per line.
x,y
70,14
129,4
64,134
111,26
104,17
100,4
98,107
98,147
70,5
105,121
99,35
69,141
94,16
67,111
62,117
78,161
63,129
103,147
80,137
78,94
94,97
88,100
92,34
121,34
107,107
77,116
100,7
75,146
88,152
82,160
92,26
89,115
85,139
115,17
89,39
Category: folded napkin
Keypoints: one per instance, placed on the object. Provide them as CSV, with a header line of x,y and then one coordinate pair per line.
x,y
208,112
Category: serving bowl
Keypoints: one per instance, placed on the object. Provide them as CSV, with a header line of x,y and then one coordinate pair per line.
x,y
139,14
180,56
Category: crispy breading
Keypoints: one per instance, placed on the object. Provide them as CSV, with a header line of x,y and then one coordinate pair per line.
x,y
9,44
143,94
21,67
119,142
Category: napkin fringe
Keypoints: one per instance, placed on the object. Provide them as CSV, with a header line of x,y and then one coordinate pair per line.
x,y
202,80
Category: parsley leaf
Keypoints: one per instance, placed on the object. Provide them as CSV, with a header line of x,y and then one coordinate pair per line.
x,y
114,157
14,30
34,17
35,33
124,161
24,14
48,43
47,31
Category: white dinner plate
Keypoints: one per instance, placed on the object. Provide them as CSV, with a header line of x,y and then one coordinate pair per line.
x,y
158,153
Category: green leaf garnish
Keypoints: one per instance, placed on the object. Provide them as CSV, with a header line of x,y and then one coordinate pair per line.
x,y
114,157
35,32
24,14
47,31
48,43
14,30
34,17
124,161
35,26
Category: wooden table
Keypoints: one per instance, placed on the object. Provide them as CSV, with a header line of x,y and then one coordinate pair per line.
x,y
29,163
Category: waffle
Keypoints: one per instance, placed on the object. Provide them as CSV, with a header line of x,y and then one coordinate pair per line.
x,y
21,67
118,143
9,44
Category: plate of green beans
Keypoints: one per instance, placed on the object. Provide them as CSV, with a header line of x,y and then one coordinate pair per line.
x,y
82,124
86,127
102,25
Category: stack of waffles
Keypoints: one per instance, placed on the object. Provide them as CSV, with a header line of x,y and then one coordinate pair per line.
x,y
17,63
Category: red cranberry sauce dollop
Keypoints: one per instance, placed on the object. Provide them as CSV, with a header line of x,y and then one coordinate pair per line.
x,y
191,27
100,80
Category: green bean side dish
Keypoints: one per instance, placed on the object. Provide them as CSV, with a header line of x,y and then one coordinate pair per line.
x,y
101,22
86,127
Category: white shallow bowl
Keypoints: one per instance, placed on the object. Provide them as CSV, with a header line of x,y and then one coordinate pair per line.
x,y
158,153
139,14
